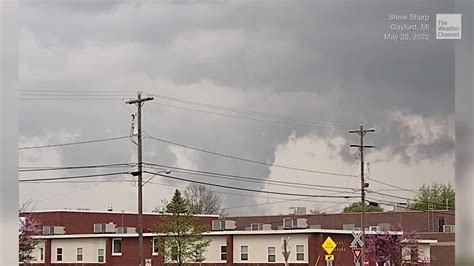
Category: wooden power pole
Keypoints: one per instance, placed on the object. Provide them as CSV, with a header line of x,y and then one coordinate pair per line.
x,y
139,102
363,185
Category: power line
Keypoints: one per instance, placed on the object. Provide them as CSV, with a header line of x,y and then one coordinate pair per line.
x,y
96,183
59,168
175,186
78,91
276,202
244,159
243,117
405,206
72,143
95,93
252,179
388,195
252,190
70,177
70,99
415,200
390,185
252,112
72,95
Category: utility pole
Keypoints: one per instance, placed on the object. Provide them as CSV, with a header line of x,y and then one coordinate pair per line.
x,y
139,102
363,185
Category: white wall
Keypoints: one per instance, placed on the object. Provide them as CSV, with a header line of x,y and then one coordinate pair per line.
x,y
213,252
423,253
89,249
36,252
258,246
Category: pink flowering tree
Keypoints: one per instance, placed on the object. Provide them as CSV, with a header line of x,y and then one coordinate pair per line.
x,y
29,227
389,246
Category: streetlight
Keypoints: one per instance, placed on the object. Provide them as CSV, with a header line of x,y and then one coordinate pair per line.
x,y
165,171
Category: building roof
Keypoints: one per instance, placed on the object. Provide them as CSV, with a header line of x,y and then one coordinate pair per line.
x,y
112,212
218,233
225,233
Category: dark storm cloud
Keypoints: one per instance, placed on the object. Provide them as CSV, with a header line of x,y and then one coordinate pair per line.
x,y
434,150
318,60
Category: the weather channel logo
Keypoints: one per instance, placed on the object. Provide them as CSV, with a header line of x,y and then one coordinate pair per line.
x,y
448,26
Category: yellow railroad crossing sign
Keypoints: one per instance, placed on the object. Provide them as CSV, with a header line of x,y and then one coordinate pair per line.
x,y
329,245
329,257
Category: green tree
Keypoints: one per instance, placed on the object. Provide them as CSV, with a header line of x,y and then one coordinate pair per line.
x,y
357,207
435,196
180,237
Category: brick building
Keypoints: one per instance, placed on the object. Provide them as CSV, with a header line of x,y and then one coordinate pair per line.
x,y
108,238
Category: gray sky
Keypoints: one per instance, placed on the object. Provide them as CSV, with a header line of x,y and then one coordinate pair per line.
x,y
326,62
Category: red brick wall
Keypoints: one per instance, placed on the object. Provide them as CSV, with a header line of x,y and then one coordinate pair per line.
x,y
442,255
230,250
83,222
130,252
419,221
409,221
47,251
342,254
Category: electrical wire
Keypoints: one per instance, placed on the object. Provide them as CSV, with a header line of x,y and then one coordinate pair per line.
x,y
244,159
393,186
74,95
242,117
249,189
252,112
72,143
276,202
405,206
96,183
71,99
78,91
176,186
59,168
71,177
252,179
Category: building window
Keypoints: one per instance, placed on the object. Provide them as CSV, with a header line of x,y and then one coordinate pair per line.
x,y
348,227
223,252
271,254
299,252
288,223
117,246
244,253
256,227
41,254
100,255
79,254
155,246
59,254
441,223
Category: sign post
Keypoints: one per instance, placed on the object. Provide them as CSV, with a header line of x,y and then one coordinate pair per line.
x,y
329,245
357,255
357,248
